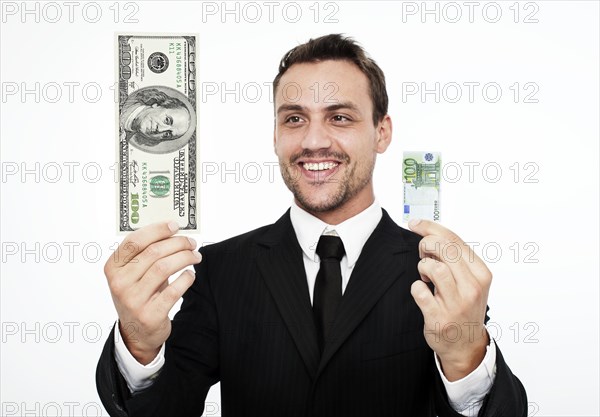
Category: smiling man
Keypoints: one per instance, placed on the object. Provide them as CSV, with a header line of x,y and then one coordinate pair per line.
x,y
333,310
327,148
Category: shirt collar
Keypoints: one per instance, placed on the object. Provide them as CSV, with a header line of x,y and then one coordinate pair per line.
x,y
354,231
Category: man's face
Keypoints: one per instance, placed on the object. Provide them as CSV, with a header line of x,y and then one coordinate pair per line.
x,y
161,123
325,138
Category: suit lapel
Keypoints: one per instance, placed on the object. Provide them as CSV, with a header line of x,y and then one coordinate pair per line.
x,y
281,265
376,270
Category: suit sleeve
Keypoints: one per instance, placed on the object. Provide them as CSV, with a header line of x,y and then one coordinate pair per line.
x,y
110,384
191,362
507,396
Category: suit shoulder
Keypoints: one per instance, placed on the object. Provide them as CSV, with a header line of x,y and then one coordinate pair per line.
x,y
242,242
410,236
391,227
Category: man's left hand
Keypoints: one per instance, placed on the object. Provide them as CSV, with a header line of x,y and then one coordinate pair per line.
x,y
454,313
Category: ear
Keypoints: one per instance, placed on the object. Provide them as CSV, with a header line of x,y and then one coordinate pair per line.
x,y
384,134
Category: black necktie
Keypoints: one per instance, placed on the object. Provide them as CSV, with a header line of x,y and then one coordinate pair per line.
x,y
328,285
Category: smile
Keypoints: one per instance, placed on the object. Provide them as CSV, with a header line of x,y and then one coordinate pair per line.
x,y
319,166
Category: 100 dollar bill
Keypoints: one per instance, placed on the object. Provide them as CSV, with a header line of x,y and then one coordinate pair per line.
x,y
421,174
156,136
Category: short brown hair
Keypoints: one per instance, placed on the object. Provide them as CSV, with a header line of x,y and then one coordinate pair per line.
x,y
339,47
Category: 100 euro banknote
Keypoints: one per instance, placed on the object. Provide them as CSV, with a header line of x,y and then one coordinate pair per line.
x,y
421,175
157,130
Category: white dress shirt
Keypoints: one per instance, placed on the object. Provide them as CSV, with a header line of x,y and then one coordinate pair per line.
x,y
465,395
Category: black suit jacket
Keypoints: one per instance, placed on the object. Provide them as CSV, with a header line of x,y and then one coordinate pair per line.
x,y
247,322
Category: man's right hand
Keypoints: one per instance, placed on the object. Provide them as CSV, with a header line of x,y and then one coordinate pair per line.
x,y
138,273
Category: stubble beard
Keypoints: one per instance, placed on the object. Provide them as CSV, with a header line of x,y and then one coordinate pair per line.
x,y
349,186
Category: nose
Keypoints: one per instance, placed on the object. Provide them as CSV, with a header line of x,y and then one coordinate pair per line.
x,y
161,126
316,136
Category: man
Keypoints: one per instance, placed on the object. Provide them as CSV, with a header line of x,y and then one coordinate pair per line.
x,y
265,314
150,116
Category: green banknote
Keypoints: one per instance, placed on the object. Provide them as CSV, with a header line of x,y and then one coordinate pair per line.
x,y
421,175
157,130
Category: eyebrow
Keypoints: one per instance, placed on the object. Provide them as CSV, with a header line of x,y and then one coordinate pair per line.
x,y
337,106
343,105
289,107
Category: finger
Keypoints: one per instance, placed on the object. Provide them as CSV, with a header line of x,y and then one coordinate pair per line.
x,y
156,251
126,276
427,227
450,253
441,276
159,273
439,248
424,298
137,241
174,291
466,274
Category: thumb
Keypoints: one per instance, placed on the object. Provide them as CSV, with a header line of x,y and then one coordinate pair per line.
x,y
423,297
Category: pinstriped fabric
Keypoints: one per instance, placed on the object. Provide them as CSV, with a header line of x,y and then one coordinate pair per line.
x,y
247,322
282,268
377,268
258,331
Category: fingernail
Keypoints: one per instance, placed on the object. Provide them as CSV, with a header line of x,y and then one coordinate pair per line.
x,y
198,255
413,222
173,226
192,241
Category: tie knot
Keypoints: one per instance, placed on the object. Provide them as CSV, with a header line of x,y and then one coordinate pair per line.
x,y
330,247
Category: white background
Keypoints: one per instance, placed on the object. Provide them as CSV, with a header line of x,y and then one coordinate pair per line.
x,y
54,304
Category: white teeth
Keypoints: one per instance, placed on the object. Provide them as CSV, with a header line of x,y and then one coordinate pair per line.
x,y
321,166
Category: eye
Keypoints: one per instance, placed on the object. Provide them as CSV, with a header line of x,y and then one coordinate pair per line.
x,y
293,119
167,134
169,120
340,118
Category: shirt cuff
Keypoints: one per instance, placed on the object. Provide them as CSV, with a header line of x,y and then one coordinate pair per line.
x,y
466,394
137,376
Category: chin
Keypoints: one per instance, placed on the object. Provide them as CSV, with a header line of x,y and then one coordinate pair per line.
x,y
320,204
